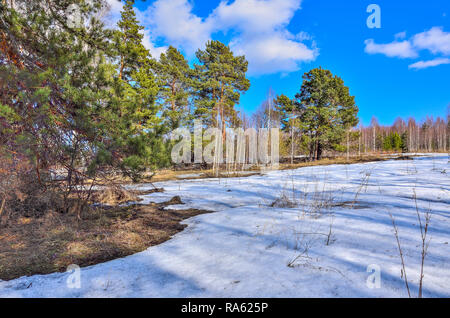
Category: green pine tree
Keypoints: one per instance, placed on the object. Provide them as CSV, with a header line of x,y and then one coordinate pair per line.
x,y
175,79
221,80
387,143
396,141
136,127
52,84
404,146
287,111
327,111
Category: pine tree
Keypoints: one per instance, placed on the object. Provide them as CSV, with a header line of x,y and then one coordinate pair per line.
x,y
76,96
286,109
327,110
128,42
387,143
52,78
405,142
221,80
175,79
136,128
396,141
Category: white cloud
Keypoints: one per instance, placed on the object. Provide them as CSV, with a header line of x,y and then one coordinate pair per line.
x,y
273,53
257,29
401,49
255,16
113,16
174,21
400,35
435,40
261,34
425,64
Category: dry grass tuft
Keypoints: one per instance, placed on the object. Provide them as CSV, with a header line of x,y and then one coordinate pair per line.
x,y
283,202
114,196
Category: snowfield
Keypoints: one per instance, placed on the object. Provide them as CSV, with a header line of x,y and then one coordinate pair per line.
x,y
251,247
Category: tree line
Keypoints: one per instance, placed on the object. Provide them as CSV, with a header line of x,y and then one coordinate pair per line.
x,y
410,135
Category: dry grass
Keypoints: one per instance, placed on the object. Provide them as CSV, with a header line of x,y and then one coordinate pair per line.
x,y
116,195
339,161
113,196
203,172
169,175
31,245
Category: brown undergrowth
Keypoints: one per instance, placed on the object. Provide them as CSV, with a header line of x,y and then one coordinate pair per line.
x,y
51,242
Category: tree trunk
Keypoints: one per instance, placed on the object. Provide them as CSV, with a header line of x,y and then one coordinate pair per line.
x,y
292,144
359,141
348,146
172,86
122,65
319,150
374,141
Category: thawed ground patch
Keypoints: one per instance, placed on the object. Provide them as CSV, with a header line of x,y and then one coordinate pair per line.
x,y
334,225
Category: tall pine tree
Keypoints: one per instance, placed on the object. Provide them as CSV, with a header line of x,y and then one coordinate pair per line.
x,y
175,79
327,111
137,126
221,81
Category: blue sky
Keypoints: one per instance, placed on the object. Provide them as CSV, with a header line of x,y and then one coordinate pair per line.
x,y
401,69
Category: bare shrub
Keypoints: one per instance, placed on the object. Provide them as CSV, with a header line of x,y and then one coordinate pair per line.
x,y
400,251
21,193
363,186
425,243
320,202
314,203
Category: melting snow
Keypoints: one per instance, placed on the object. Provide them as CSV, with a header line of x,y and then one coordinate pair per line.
x,y
249,248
